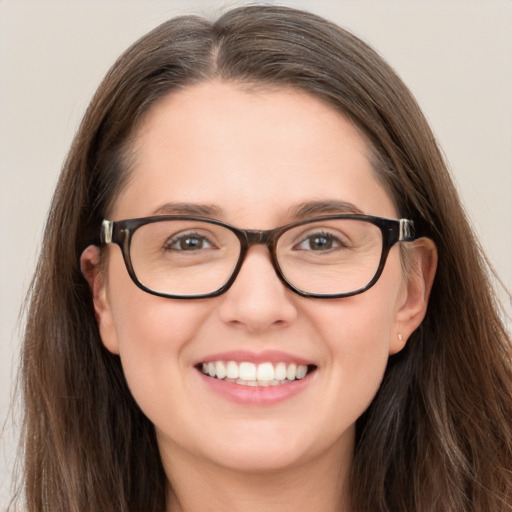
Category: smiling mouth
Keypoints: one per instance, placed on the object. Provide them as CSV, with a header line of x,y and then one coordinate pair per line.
x,y
251,374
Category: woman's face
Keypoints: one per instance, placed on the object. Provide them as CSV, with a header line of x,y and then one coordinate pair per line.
x,y
252,159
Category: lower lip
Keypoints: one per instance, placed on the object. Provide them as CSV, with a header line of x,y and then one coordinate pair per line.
x,y
256,395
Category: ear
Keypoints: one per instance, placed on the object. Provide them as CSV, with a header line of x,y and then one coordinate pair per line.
x,y
95,276
422,264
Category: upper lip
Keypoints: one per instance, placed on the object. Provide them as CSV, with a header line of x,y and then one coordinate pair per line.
x,y
267,356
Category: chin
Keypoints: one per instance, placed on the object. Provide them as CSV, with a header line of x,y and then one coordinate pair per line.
x,y
260,447
257,459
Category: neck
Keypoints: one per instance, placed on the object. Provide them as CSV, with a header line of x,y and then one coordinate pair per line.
x,y
319,485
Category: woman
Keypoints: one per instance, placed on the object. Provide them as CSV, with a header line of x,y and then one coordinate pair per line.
x,y
297,313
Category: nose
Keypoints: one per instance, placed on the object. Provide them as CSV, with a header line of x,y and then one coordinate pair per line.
x,y
258,300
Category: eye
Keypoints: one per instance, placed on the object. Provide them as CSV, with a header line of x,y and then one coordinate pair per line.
x,y
319,242
188,242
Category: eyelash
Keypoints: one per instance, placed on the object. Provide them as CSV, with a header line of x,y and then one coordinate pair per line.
x,y
168,246
322,234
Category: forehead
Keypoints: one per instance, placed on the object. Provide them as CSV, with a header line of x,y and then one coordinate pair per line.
x,y
248,151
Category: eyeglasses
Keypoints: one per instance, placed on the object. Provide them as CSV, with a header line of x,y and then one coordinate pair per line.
x,y
186,257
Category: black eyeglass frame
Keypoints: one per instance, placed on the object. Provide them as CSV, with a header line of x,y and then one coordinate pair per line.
x,y
121,232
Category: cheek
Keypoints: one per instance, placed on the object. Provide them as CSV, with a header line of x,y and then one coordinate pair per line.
x,y
358,355
153,337
361,325
357,332
145,323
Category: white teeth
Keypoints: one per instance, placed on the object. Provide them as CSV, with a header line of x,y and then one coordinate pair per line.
x,y
280,371
247,371
250,374
265,371
232,370
259,383
220,370
301,371
291,371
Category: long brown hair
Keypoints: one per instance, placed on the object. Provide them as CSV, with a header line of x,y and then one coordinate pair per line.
x,y
438,435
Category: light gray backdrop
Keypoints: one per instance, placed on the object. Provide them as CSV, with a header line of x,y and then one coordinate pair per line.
x,y
456,56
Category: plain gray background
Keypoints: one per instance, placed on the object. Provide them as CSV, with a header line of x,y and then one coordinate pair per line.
x,y
455,55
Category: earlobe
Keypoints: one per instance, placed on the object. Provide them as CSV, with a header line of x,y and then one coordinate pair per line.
x,y
95,277
422,263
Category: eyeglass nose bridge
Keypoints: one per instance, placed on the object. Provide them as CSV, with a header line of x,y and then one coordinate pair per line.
x,y
251,237
257,237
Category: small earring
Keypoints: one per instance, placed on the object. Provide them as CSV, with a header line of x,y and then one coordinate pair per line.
x,y
400,337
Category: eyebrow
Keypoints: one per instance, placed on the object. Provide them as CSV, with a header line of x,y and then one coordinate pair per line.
x,y
313,208
197,209
296,212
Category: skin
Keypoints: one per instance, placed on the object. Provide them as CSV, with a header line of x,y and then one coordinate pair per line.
x,y
254,156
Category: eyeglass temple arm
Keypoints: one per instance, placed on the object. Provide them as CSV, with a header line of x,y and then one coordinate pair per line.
x,y
406,231
107,228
